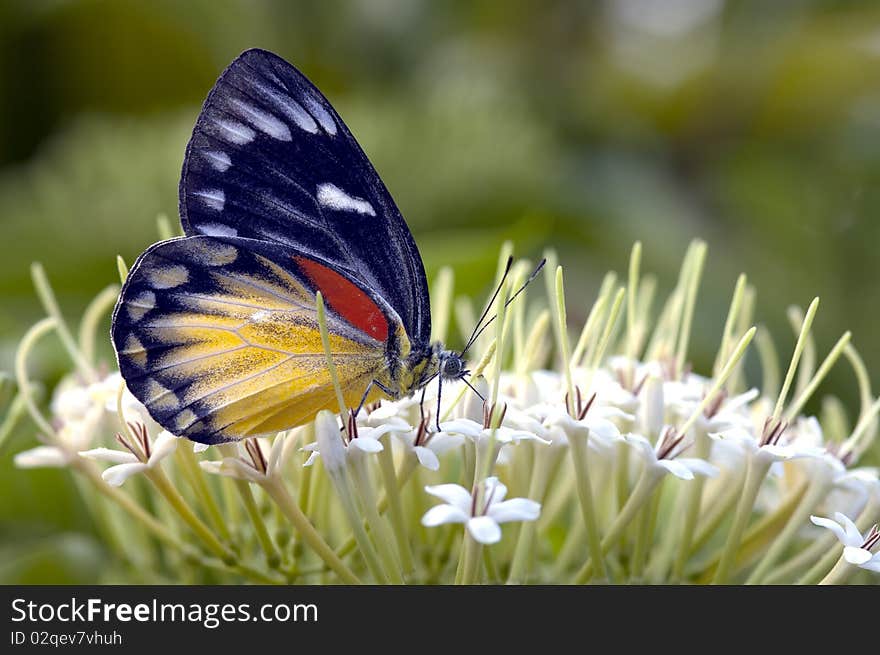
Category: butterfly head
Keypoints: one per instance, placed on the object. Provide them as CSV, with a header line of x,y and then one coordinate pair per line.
x,y
452,365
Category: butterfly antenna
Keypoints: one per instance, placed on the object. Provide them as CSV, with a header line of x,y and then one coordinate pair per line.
x,y
479,330
474,335
474,389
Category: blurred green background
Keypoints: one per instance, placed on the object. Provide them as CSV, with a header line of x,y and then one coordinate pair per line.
x,y
582,125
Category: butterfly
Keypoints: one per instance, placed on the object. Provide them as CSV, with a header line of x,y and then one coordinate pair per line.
x,y
216,332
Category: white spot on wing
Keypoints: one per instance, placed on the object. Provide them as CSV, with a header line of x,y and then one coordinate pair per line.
x,y
218,160
321,114
167,277
134,350
217,230
213,198
140,305
330,195
290,108
185,419
160,396
235,132
263,121
213,253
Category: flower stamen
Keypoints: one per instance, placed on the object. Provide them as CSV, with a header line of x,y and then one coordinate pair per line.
x,y
670,440
580,409
258,460
773,431
872,538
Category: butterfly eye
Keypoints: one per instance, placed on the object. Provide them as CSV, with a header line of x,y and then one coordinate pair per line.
x,y
452,367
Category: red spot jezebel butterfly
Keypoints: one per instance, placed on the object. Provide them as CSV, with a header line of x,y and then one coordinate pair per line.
x,y
216,332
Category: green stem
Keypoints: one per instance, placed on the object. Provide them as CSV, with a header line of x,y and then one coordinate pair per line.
x,y
273,558
839,574
91,319
818,490
693,499
306,530
392,493
382,537
641,494
197,480
644,537
755,474
471,560
50,305
544,465
27,343
404,473
579,454
172,495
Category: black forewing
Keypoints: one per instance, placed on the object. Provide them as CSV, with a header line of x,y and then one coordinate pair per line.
x,y
270,159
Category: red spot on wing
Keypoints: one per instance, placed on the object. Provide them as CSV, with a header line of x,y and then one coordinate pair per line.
x,y
346,298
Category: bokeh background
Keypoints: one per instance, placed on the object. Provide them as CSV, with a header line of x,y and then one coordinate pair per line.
x,y
580,125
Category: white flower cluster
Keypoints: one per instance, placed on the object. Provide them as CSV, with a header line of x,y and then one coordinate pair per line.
x,y
621,468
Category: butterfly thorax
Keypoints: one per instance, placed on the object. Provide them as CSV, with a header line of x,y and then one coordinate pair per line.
x,y
421,366
415,369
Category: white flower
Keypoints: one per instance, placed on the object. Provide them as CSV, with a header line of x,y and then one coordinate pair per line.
x,y
722,413
857,548
482,522
252,464
334,447
662,459
480,434
768,448
77,431
428,446
140,456
596,423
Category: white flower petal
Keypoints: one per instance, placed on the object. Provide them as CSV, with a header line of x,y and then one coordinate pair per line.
x,y
738,435
699,466
41,457
678,469
200,447
427,458
856,555
233,467
653,408
603,429
441,443
329,441
873,564
508,435
839,532
312,457
484,529
164,445
853,536
494,489
454,494
444,514
463,426
366,444
108,455
639,442
385,428
272,462
116,475
515,509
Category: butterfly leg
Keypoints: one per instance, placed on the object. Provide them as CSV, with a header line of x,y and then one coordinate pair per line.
x,y
363,401
439,396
